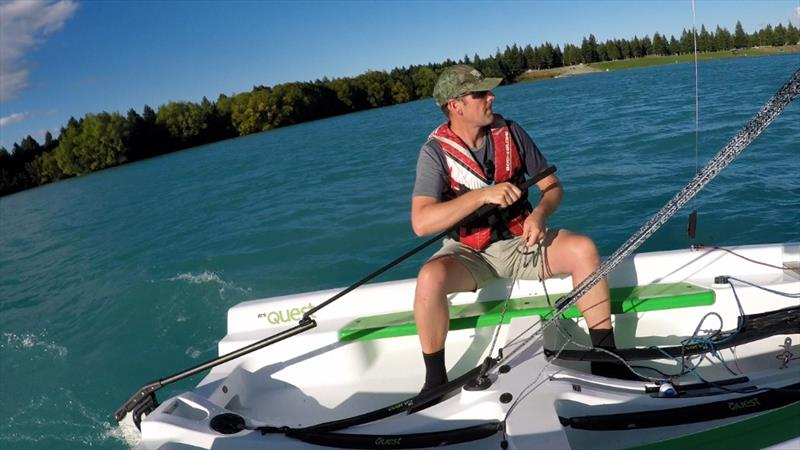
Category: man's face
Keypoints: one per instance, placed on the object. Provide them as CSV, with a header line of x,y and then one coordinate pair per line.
x,y
476,108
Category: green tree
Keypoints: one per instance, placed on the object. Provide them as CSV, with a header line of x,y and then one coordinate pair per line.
x,y
96,143
184,121
515,62
378,87
674,45
687,42
46,168
766,35
636,47
547,55
589,50
612,49
723,40
779,35
704,40
425,79
558,57
739,36
530,56
647,46
792,35
660,45
572,55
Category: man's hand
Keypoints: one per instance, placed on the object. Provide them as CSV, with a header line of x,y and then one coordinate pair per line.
x,y
503,194
533,230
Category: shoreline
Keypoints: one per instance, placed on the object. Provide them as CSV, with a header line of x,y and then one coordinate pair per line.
x,y
649,61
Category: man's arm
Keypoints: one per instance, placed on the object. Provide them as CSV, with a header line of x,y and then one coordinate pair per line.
x,y
430,215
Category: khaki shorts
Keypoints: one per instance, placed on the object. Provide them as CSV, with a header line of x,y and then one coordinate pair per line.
x,y
502,259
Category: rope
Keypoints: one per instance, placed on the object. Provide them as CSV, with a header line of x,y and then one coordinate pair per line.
x,y
768,113
771,110
784,267
519,263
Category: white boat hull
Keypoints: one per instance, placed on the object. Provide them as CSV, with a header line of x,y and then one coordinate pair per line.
x,y
315,377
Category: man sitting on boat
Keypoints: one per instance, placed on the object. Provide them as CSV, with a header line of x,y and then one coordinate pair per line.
x,y
478,158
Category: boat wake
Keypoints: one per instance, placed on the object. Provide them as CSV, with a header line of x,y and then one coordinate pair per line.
x,y
80,427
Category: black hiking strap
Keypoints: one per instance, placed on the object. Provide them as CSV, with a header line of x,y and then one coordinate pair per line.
x,y
387,411
758,326
413,440
766,400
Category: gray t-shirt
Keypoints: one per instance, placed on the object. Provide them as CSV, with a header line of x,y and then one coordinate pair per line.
x,y
433,181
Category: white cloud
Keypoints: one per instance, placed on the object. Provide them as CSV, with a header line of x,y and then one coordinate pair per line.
x,y
23,24
797,11
12,119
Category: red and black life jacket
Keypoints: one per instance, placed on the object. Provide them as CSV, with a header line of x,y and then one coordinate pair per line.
x,y
466,174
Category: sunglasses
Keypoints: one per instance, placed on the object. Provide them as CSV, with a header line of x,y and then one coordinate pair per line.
x,y
475,95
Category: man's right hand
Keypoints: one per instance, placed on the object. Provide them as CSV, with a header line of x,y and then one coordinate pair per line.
x,y
503,194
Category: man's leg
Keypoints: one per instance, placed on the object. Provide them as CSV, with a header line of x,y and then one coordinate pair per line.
x,y
437,278
576,255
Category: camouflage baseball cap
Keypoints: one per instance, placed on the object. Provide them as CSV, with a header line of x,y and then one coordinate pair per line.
x,y
459,80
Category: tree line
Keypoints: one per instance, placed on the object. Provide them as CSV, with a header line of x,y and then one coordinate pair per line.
x,y
98,141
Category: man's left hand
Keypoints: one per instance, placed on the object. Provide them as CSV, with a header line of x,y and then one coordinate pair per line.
x,y
533,230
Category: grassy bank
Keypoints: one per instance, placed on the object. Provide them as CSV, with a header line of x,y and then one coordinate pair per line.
x,y
648,61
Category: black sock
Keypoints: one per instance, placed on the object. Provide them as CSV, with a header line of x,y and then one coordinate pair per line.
x,y
603,338
435,372
611,369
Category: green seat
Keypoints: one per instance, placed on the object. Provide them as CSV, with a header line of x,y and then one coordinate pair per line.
x,y
624,300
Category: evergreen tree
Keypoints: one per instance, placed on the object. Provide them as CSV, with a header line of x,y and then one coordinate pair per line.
x,y
572,55
722,39
766,36
674,45
739,36
602,52
792,35
589,50
49,143
779,35
636,47
515,62
530,57
612,50
547,55
687,42
659,45
704,40
558,57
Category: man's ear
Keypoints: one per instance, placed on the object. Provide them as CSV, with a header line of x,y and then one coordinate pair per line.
x,y
454,106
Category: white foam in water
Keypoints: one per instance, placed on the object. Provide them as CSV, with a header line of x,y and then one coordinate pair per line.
x,y
193,352
28,341
205,277
126,431
81,428
209,277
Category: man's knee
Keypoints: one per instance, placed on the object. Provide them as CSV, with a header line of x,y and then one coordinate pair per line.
x,y
587,250
433,274
444,275
576,252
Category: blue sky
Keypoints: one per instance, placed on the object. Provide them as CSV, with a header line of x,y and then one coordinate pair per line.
x,y
67,58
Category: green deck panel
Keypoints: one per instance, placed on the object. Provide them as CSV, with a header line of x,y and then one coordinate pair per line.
x,y
624,300
763,430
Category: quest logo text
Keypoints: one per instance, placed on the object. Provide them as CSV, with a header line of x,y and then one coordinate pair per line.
x,y
280,316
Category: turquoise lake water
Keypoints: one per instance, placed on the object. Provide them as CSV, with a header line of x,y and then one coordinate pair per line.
x,y
124,276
